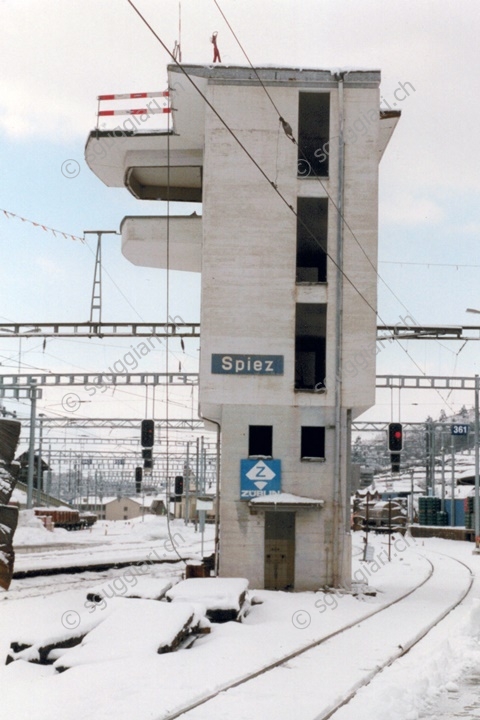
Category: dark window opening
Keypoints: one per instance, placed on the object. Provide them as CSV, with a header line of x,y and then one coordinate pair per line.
x,y
312,229
313,443
310,347
260,440
313,134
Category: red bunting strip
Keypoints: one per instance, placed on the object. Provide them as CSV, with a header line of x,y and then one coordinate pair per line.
x,y
9,215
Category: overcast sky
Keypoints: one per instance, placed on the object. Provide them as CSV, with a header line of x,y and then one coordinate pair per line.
x,y
58,55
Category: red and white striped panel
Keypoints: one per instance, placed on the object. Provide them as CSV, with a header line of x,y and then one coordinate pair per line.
x,y
130,96
135,111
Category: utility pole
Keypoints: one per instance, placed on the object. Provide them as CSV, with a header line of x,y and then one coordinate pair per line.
x,y
186,474
477,464
432,463
442,506
31,447
39,464
453,518
427,455
412,510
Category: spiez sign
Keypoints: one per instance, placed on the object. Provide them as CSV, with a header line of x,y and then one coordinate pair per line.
x,y
223,364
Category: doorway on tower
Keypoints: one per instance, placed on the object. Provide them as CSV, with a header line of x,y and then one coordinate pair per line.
x,y
279,550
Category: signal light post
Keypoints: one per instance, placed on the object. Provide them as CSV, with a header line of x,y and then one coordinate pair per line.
x,y
395,445
395,460
147,437
477,466
138,480
395,437
147,433
179,485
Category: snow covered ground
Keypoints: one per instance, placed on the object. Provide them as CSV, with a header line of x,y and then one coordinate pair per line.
x,y
117,686
138,540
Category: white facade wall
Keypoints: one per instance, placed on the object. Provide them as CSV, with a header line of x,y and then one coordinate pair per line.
x,y
249,297
249,289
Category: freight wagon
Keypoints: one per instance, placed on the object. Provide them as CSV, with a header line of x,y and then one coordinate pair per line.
x,y
65,518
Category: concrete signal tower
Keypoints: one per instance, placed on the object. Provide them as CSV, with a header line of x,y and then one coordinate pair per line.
x,y
284,162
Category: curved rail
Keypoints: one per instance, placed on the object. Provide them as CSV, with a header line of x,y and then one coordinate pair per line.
x,y
409,646
302,655
290,656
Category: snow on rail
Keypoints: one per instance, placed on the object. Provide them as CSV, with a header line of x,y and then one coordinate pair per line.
x,y
269,642
314,683
321,680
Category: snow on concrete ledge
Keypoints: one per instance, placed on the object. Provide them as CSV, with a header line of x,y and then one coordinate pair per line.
x,y
285,499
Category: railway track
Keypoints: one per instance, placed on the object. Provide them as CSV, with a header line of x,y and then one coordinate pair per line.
x,y
97,559
39,582
322,677
46,585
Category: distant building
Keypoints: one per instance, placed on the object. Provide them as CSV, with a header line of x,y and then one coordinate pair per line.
x,y
114,508
126,508
287,248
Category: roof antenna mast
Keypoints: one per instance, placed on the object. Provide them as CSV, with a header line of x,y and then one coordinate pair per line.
x,y
177,48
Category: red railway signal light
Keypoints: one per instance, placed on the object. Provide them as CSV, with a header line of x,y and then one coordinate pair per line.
x,y
395,437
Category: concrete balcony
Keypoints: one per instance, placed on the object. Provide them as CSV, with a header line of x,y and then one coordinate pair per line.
x,y
144,242
153,163
152,166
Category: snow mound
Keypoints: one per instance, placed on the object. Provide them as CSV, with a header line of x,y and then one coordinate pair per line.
x,y
134,628
216,594
31,531
130,585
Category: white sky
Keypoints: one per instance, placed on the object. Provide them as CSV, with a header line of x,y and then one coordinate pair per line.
x,y
58,55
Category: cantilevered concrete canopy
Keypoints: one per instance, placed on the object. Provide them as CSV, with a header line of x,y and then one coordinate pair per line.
x,y
388,123
144,241
153,166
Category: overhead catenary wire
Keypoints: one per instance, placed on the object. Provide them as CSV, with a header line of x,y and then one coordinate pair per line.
x,y
272,184
428,264
289,133
104,269
287,128
249,155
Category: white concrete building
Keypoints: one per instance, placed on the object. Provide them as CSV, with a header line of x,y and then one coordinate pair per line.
x,y
285,164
